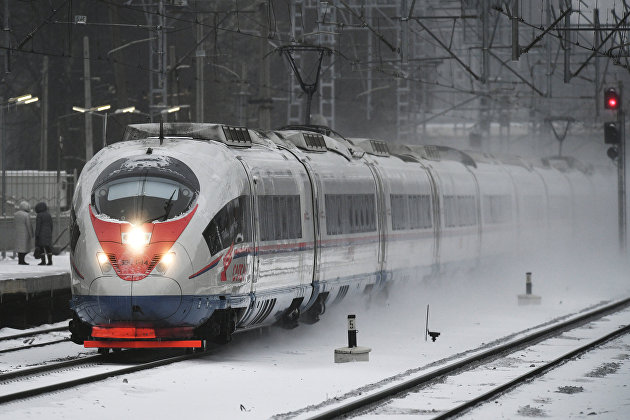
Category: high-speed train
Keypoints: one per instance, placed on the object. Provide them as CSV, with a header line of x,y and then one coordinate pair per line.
x,y
187,233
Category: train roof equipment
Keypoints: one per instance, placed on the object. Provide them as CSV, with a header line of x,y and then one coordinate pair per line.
x,y
230,135
371,146
321,129
434,153
311,141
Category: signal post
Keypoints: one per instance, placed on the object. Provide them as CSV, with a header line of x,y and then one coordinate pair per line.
x,y
615,134
621,174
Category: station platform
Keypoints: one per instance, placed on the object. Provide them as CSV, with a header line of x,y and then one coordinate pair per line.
x,y
33,294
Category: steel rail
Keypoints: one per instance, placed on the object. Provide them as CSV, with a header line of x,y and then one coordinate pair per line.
x,y
541,370
32,333
96,377
480,358
30,346
23,373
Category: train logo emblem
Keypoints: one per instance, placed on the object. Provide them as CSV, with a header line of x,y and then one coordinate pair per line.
x,y
227,260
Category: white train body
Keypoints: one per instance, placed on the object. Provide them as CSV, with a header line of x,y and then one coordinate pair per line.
x,y
217,229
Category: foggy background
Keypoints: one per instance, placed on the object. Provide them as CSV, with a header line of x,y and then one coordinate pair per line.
x,y
440,73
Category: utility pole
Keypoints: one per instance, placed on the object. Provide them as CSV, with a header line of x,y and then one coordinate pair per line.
x,y
516,48
7,38
87,88
567,45
484,117
264,106
120,71
199,61
485,41
242,97
621,172
173,78
43,155
597,38
158,89
4,163
4,156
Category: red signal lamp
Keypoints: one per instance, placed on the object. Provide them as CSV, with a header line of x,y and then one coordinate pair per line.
x,y
611,99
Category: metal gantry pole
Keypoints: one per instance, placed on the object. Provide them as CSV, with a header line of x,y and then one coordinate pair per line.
x,y
4,165
4,160
199,61
621,172
105,130
89,143
43,155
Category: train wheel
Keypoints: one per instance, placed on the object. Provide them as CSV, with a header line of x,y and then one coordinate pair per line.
x,y
203,348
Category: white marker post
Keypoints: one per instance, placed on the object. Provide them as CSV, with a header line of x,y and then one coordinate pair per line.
x,y
352,353
528,298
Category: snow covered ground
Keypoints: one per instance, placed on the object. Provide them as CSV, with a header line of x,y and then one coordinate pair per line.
x,y
285,371
9,267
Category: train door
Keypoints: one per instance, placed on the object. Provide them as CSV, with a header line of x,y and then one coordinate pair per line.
x,y
437,216
477,194
381,212
253,214
314,181
282,214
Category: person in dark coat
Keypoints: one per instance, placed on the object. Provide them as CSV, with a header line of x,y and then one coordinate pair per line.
x,y
43,232
23,232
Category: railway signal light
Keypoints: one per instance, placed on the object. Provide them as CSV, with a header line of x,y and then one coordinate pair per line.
x,y
611,133
612,153
611,99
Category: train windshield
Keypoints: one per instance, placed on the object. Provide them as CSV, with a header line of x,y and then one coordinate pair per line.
x,y
143,199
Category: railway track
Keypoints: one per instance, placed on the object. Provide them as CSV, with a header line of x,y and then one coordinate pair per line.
x,y
402,394
25,343
53,377
33,333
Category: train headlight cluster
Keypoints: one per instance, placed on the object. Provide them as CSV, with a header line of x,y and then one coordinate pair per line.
x,y
166,261
136,238
103,262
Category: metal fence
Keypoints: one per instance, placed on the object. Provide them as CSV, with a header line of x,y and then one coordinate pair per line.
x,y
55,189
51,187
60,233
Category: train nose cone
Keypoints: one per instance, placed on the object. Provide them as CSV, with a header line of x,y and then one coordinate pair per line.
x,y
153,298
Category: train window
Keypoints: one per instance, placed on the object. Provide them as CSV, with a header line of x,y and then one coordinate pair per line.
x,y
350,213
450,211
411,211
559,207
142,199
460,210
420,212
229,226
280,217
75,232
400,212
531,208
467,210
497,208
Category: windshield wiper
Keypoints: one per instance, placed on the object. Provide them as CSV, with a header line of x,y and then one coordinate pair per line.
x,y
167,209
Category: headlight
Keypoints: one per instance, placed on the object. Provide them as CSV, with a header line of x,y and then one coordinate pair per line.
x,y
166,261
103,262
136,238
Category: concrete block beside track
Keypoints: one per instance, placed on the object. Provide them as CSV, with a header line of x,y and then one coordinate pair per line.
x,y
28,300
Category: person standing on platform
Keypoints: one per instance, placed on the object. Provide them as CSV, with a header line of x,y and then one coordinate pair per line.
x,y
43,232
23,232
